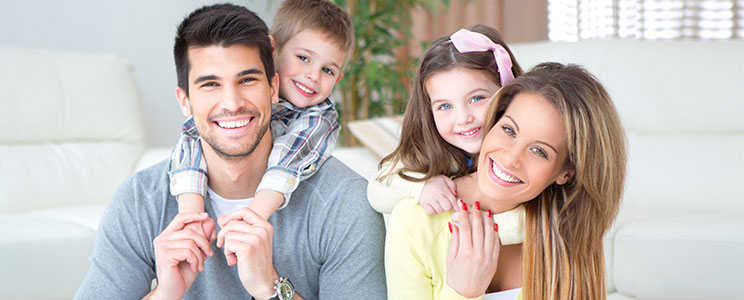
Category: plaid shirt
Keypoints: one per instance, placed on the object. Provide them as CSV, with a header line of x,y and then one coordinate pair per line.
x,y
303,139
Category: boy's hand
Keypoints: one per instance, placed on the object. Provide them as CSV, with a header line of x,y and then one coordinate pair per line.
x,y
266,202
438,195
194,203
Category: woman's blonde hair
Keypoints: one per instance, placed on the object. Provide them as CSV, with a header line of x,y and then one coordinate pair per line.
x,y
421,149
562,254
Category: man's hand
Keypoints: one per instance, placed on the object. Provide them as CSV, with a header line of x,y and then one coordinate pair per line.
x,y
180,253
438,195
474,251
247,240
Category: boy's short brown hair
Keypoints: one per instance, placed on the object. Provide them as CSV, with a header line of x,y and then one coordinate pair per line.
x,y
294,16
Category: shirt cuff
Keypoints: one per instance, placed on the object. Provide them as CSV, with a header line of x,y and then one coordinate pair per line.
x,y
188,180
511,225
276,179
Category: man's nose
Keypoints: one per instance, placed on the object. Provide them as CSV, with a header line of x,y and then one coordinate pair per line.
x,y
231,99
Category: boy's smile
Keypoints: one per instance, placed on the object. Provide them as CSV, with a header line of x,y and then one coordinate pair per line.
x,y
309,65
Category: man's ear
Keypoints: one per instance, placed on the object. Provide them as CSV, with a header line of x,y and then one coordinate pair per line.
x,y
275,88
565,176
273,44
183,102
339,78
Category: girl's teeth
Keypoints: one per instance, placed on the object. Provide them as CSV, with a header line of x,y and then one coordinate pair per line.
x,y
469,132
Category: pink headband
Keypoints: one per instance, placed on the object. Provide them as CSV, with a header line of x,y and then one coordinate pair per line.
x,y
469,41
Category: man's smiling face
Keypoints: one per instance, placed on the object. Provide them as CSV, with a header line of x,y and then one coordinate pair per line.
x,y
229,97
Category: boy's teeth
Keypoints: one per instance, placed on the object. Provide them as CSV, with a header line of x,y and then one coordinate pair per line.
x,y
304,89
501,175
233,124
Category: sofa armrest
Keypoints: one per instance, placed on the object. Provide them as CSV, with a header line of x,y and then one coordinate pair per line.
x,y
151,157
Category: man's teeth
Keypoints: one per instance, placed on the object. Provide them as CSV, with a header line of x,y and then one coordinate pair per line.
x,y
501,175
469,132
303,88
233,124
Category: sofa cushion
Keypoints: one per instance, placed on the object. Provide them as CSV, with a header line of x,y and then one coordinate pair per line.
x,y
687,257
41,250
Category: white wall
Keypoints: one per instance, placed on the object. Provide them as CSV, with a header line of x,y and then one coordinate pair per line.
x,y
139,31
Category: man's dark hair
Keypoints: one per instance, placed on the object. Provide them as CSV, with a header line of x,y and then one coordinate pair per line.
x,y
221,25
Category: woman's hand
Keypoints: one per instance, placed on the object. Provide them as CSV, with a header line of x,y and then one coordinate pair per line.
x,y
474,251
438,195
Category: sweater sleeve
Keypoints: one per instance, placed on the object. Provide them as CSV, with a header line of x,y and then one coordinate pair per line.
x,y
384,193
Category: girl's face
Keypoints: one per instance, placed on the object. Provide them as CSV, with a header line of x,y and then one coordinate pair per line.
x,y
459,100
524,152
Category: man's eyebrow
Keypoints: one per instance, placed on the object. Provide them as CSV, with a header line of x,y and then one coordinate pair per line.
x,y
250,71
205,78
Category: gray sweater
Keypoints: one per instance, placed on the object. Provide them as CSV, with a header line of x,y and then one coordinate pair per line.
x,y
328,241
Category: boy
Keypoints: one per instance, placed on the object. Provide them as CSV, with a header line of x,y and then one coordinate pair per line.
x,y
312,40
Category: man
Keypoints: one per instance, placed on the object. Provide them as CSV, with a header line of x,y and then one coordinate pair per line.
x,y
327,243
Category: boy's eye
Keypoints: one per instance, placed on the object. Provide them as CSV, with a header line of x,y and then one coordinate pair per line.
x,y
508,130
476,99
444,107
303,58
328,71
540,152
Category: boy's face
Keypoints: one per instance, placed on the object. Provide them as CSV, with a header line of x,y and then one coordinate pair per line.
x,y
309,65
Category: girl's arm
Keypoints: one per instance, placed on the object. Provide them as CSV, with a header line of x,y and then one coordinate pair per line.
x,y
384,193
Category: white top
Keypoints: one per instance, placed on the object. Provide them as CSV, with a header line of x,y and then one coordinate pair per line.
x,y
503,295
223,206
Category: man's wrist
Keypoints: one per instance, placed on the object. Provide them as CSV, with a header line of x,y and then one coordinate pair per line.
x,y
269,291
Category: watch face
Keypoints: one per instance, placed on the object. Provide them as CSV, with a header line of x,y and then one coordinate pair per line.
x,y
286,291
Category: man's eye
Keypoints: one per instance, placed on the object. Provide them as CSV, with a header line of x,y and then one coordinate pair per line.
x,y
508,130
540,152
303,58
247,80
444,107
209,84
328,71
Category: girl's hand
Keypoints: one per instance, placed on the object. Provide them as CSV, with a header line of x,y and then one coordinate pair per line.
x,y
474,251
438,195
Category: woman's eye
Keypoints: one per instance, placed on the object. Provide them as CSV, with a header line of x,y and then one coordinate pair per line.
x,y
508,130
328,71
444,107
476,99
303,58
540,152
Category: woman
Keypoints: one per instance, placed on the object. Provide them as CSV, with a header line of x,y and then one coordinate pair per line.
x,y
555,146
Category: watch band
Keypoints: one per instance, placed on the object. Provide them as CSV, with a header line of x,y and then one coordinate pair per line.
x,y
283,289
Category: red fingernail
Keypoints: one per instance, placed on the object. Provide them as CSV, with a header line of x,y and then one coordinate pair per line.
x,y
455,191
488,213
496,227
450,226
464,206
477,205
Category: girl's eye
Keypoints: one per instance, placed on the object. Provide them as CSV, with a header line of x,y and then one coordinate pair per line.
x,y
303,58
327,71
444,107
476,99
508,130
540,152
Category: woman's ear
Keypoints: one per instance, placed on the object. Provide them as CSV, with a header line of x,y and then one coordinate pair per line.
x,y
565,176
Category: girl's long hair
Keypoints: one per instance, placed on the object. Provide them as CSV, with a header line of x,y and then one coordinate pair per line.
x,y
421,149
562,254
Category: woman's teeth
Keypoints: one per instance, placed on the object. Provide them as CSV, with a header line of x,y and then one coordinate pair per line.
x,y
503,176
233,124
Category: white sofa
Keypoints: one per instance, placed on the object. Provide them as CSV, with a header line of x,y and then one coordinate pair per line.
x,y
680,230
71,132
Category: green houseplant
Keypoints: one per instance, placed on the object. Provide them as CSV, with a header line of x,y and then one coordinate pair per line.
x,y
379,71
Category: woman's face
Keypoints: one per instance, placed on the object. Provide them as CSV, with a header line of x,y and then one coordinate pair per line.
x,y
524,152
459,100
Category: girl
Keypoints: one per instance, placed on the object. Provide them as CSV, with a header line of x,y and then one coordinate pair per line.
x,y
442,126
555,147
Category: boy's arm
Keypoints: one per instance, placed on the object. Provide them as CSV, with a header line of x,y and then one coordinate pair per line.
x,y
384,193
187,172
297,154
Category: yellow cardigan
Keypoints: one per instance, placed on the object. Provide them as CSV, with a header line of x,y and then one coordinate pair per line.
x,y
416,248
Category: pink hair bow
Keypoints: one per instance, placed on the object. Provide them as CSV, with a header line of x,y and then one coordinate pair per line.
x,y
470,41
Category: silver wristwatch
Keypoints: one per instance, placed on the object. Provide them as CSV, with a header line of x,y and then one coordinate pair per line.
x,y
283,289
